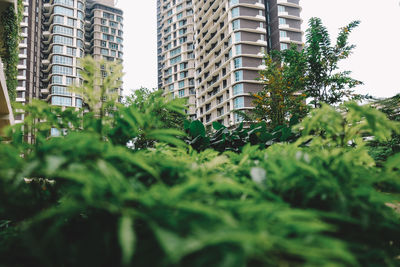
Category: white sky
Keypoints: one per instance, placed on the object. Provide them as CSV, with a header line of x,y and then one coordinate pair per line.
x,y
375,61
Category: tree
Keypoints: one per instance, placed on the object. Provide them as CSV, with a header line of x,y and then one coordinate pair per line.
x,y
282,96
324,83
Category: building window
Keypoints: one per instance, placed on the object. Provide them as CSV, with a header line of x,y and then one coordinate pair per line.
x,y
235,24
238,49
237,37
282,21
235,12
104,52
61,101
171,87
282,33
181,93
238,102
238,76
175,60
63,11
60,90
61,70
281,9
58,49
62,60
181,84
58,19
284,46
71,51
238,89
78,103
57,39
237,62
233,2
238,118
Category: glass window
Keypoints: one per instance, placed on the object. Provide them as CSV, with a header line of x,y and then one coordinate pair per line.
x,y
238,76
60,90
181,84
61,70
104,51
282,21
284,46
238,102
175,51
238,89
237,37
65,2
233,2
61,101
282,33
81,6
237,62
62,60
56,79
57,39
78,103
175,60
71,51
71,22
63,11
63,30
181,93
235,12
235,24
238,118
58,19
58,49
281,8
238,49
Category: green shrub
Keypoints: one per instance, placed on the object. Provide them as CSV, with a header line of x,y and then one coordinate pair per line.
x,y
88,199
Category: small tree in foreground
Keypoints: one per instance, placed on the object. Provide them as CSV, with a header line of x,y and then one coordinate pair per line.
x,y
282,96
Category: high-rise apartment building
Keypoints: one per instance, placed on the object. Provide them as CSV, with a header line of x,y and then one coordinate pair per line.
x,y
229,41
56,33
176,50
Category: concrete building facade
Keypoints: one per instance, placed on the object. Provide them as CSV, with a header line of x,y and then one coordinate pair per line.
x,y
230,38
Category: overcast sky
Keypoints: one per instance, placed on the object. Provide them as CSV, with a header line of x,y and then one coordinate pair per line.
x,y
375,61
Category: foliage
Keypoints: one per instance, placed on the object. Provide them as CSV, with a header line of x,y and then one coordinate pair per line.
x,y
284,80
171,118
139,113
10,37
292,77
324,83
224,139
379,150
87,199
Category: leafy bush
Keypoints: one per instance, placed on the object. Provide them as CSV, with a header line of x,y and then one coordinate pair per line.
x,y
223,139
87,199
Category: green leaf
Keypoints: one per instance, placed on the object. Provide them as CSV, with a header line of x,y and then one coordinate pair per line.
x,y
217,126
127,239
197,129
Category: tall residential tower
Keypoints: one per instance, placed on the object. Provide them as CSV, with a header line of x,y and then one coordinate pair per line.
x,y
229,41
56,33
